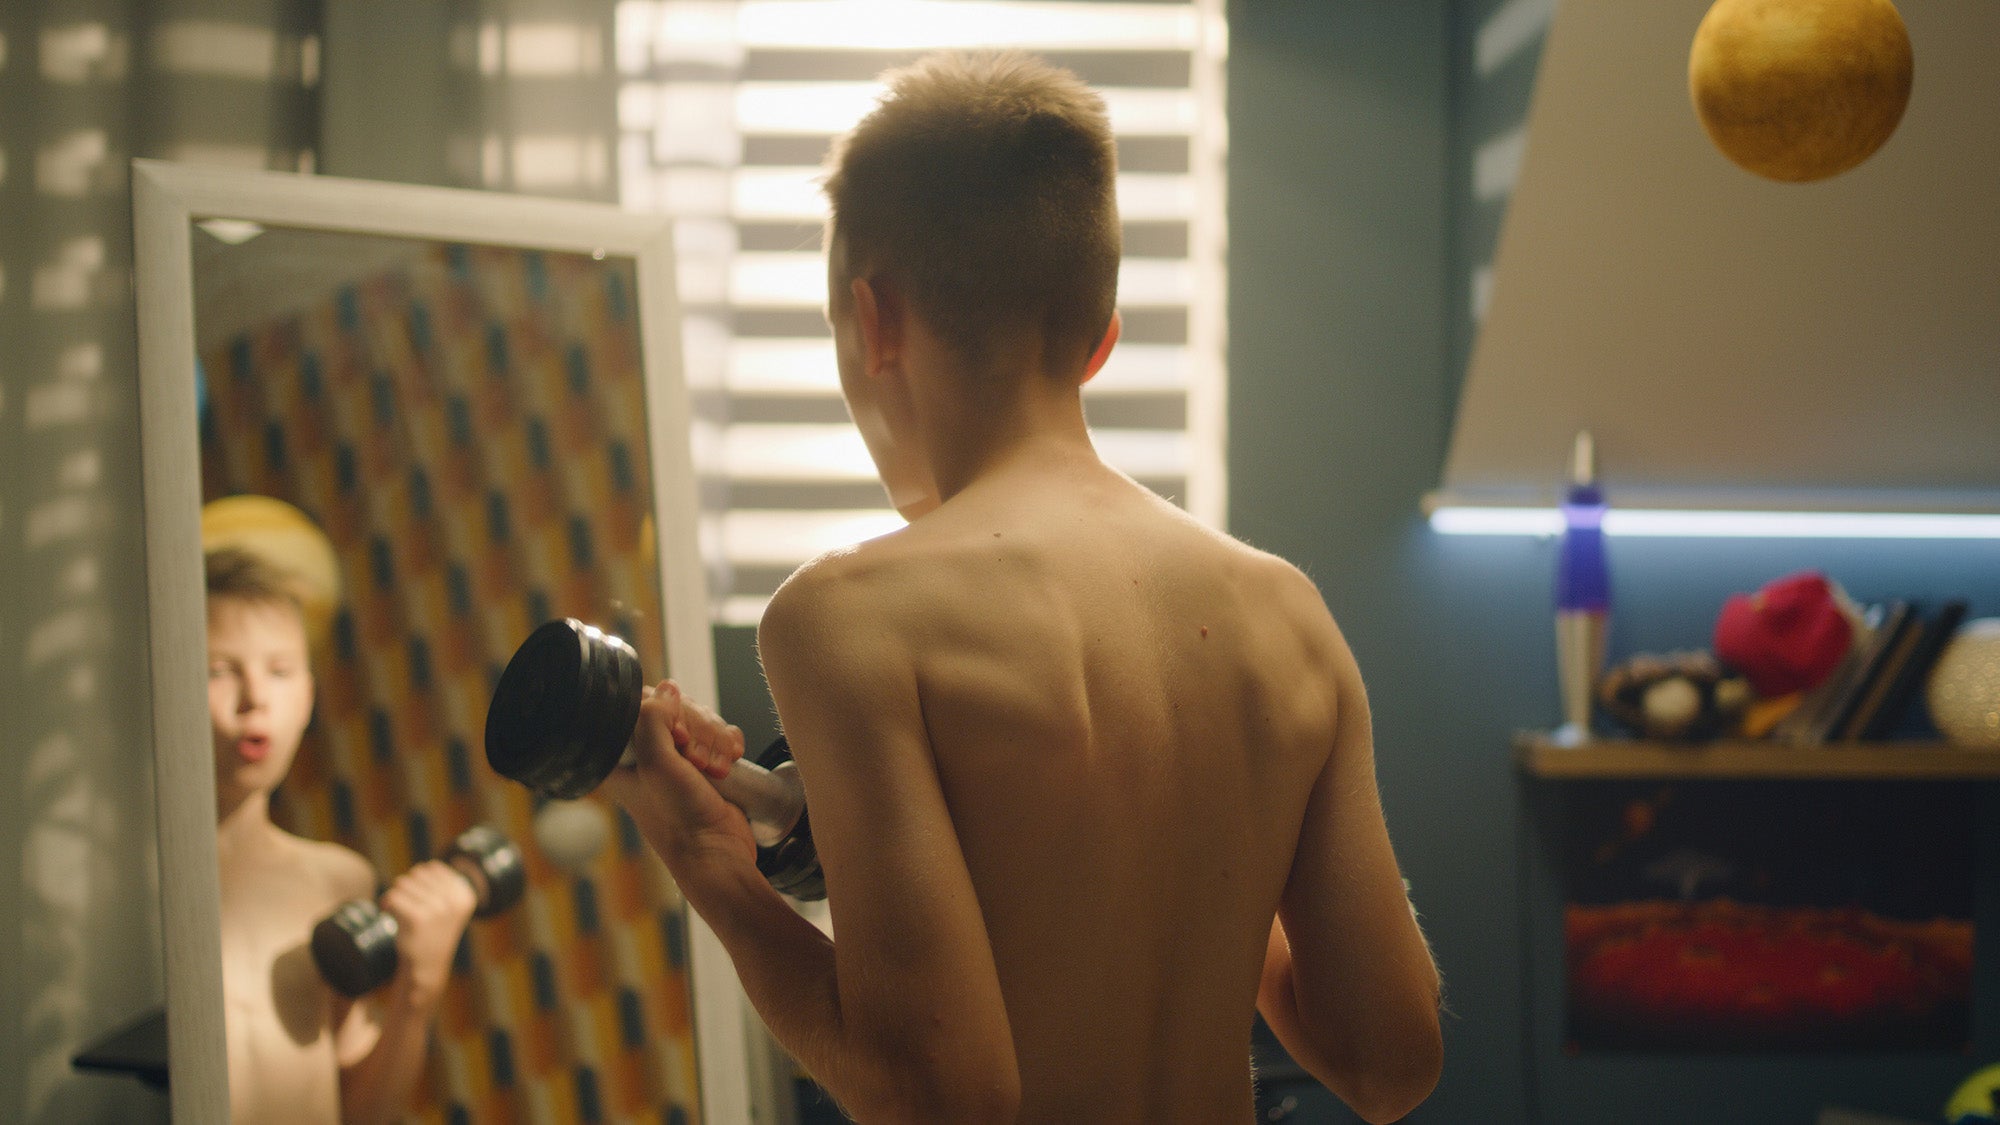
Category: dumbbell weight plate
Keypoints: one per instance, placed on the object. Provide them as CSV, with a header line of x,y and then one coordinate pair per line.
x,y
564,709
493,865
355,947
791,865
563,714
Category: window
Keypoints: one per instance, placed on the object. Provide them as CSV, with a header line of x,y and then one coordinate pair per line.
x,y
726,108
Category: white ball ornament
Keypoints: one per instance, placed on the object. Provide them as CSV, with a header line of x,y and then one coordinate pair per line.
x,y
1963,692
1671,706
572,833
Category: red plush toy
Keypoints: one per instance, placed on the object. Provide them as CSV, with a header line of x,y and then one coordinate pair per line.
x,y
1787,637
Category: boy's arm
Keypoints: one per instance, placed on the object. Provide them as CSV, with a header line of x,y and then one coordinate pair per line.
x,y
1349,985
901,1018
381,1044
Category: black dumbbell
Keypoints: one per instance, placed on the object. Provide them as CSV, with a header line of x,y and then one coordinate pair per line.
x,y
355,946
562,718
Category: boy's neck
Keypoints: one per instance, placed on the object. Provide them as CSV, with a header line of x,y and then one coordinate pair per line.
x,y
1016,445
988,424
241,817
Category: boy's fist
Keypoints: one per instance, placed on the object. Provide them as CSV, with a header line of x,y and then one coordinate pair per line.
x,y
431,904
678,747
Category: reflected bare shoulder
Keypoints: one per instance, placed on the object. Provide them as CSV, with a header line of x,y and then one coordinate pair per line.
x,y
342,869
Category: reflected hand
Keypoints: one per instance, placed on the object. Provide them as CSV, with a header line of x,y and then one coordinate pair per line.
x,y
431,904
677,747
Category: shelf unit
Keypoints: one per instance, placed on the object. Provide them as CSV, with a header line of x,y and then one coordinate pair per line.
x,y
1538,755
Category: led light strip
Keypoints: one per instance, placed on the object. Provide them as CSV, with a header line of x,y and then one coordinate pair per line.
x,y
1725,525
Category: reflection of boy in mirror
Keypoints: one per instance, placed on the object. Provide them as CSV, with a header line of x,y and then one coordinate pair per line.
x,y
298,1050
1090,782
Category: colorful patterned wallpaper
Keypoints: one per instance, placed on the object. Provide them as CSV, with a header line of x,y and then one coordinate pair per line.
x,y
469,429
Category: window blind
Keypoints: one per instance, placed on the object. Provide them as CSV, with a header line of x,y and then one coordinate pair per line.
x,y
725,111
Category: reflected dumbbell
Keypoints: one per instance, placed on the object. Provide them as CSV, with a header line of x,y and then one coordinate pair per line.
x,y
355,946
562,719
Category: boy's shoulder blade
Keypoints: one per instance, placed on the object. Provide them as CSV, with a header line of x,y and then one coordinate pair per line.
x,y
819,595
884,593
1290,600
852,572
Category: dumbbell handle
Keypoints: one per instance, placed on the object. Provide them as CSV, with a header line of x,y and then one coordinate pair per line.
x,y
563,716
355,946
481,893
773,800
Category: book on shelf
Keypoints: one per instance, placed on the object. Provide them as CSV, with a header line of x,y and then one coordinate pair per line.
x,y
1903,680
1874,691
1898,619
1816,716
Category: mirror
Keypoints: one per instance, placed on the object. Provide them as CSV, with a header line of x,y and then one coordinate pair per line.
x,y
477,400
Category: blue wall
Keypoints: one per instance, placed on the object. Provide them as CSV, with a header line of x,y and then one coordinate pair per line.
x,y
1347,241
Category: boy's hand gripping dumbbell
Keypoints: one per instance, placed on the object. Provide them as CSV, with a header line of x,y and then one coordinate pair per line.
x,y
563,716
355,946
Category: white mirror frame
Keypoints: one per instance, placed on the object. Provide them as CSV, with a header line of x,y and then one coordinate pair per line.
x,y
167,199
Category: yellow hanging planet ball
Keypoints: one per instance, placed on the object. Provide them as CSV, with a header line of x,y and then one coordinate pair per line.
x,y
1800,90
285,538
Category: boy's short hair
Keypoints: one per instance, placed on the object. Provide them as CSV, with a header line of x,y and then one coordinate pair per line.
x,y
986,186
239,575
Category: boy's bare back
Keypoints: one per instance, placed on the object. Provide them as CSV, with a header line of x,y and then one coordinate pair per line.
x,y
1128,714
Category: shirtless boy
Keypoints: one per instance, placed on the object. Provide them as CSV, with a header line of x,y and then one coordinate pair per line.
x,y
1090,782
299,1051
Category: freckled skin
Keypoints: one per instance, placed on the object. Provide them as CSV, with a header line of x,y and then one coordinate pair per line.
x,y
1129,793
1130,806
1079,727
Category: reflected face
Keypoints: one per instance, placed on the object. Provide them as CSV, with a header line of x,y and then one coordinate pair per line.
x,y
260,691
468,421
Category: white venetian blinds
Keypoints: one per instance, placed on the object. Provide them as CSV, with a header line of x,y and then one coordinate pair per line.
x,y
726,108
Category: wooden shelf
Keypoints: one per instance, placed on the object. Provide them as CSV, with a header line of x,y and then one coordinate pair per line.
x,y
1538,756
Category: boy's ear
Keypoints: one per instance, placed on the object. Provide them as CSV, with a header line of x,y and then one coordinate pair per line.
x,y
1104,347
879,308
